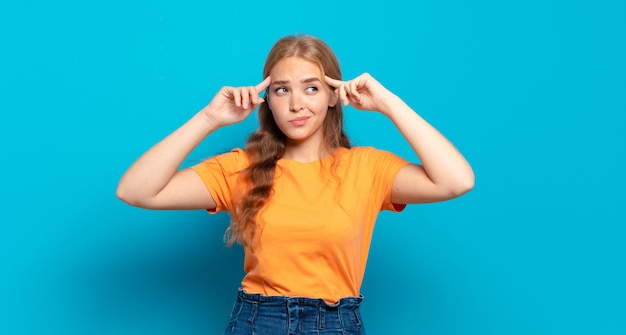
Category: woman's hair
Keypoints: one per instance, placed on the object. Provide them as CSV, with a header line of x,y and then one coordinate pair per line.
x,y
267,144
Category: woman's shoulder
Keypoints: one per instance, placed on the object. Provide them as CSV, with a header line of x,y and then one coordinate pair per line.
x,y
365,151
235,159
372,156
233,154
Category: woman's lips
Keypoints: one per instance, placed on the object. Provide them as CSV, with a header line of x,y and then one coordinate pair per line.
x,y
298,122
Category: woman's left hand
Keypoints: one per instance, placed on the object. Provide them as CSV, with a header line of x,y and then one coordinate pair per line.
x,y
363,92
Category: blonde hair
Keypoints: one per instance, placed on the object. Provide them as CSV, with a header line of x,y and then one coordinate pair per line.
x,y
267,144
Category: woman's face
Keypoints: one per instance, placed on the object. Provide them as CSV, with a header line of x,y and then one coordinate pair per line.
x,y
299,99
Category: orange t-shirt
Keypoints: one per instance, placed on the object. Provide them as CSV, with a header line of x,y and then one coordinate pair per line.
x,y
317,225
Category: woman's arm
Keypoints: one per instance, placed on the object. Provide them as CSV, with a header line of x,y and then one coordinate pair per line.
x,y
154,180
444,173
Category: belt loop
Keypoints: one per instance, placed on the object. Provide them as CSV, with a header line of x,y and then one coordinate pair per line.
x,y
355,310
255,305
321,317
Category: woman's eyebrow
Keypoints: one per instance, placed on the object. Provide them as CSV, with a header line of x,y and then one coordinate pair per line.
x,y
311,80
279,82
305,81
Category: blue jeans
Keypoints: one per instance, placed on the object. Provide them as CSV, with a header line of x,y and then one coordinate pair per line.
x,y
271,315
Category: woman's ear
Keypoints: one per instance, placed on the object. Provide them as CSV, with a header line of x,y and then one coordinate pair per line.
x,y
266,97
333,98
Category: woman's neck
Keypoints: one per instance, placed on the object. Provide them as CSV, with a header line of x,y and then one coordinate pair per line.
x,y
306,151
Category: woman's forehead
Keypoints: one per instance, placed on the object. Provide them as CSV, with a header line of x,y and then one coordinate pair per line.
x,y
295,69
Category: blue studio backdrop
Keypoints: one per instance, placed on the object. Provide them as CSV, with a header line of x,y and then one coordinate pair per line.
x,y
532,92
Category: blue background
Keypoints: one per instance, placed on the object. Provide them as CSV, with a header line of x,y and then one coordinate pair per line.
x,y
532,92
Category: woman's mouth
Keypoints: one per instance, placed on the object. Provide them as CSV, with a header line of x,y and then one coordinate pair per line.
x,y
300,121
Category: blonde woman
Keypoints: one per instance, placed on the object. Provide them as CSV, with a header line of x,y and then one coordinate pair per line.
x,y
303,202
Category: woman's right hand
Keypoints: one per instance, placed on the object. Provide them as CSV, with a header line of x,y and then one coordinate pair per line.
x,y
233,104
155,181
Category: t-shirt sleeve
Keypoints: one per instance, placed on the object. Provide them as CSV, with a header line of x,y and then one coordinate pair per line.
x,y
384,168
222,177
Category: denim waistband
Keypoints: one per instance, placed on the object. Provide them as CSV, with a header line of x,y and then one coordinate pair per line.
x,y
269,315
303,301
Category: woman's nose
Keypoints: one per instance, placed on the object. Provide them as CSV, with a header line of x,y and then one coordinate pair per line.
x,y
295,103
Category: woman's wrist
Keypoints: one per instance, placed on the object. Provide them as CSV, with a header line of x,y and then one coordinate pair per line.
x,y
208,123
392,105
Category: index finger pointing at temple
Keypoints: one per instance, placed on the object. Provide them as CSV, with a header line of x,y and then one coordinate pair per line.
x,y
263,85
333,82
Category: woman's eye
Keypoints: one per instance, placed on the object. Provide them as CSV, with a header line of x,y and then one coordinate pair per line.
x,y
280,90
311,89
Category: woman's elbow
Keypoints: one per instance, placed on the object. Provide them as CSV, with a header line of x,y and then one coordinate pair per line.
x,y
128,197
464,185
121,194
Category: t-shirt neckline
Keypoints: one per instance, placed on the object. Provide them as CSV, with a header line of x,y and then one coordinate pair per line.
x,y
317,161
